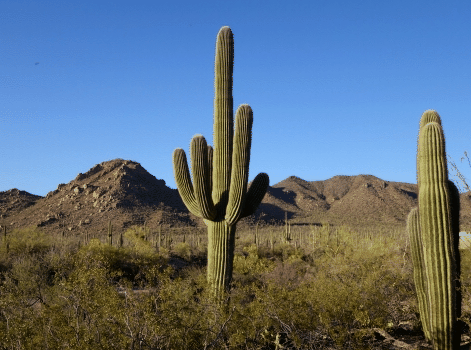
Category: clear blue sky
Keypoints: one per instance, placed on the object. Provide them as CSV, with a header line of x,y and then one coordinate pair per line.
x,y
337,87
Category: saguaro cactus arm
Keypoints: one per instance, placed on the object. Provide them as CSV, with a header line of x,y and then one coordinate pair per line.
x,y
183,180
240,163
196,195
200,170
455,224
255,194
420,277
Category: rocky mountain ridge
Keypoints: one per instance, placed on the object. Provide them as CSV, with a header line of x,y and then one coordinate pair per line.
x,y
347,199
125,193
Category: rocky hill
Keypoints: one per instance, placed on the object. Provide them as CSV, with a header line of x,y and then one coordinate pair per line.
x,y
353,200
125,193
118,190
14,201
345,199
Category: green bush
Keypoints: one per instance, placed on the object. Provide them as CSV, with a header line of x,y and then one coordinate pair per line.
x,y
183,250
28,241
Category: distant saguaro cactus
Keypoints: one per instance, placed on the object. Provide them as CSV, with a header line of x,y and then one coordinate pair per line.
x,y
110,233
218,192
434,236
256,236
121,240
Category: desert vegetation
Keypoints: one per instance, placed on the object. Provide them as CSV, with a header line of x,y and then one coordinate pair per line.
x,y
302,288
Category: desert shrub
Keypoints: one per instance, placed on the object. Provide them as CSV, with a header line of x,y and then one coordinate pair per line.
x,y
186,312
249,267
26,241
24,288
283,251
138,262
183,250
137,242
90,307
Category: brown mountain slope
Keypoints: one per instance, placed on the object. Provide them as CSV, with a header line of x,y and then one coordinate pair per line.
x,y
371,200
354,200
14,201
118,190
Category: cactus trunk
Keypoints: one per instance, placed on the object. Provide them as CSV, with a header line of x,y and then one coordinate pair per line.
x,y
436,228
221,244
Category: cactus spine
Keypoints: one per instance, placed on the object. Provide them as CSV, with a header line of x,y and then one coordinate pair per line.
x,y
218,192
434,234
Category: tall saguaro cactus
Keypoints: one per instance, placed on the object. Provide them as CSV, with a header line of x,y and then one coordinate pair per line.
x,y
218,192
434,233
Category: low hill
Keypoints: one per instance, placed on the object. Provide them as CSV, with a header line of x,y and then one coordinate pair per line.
x,y
353,200
118,190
